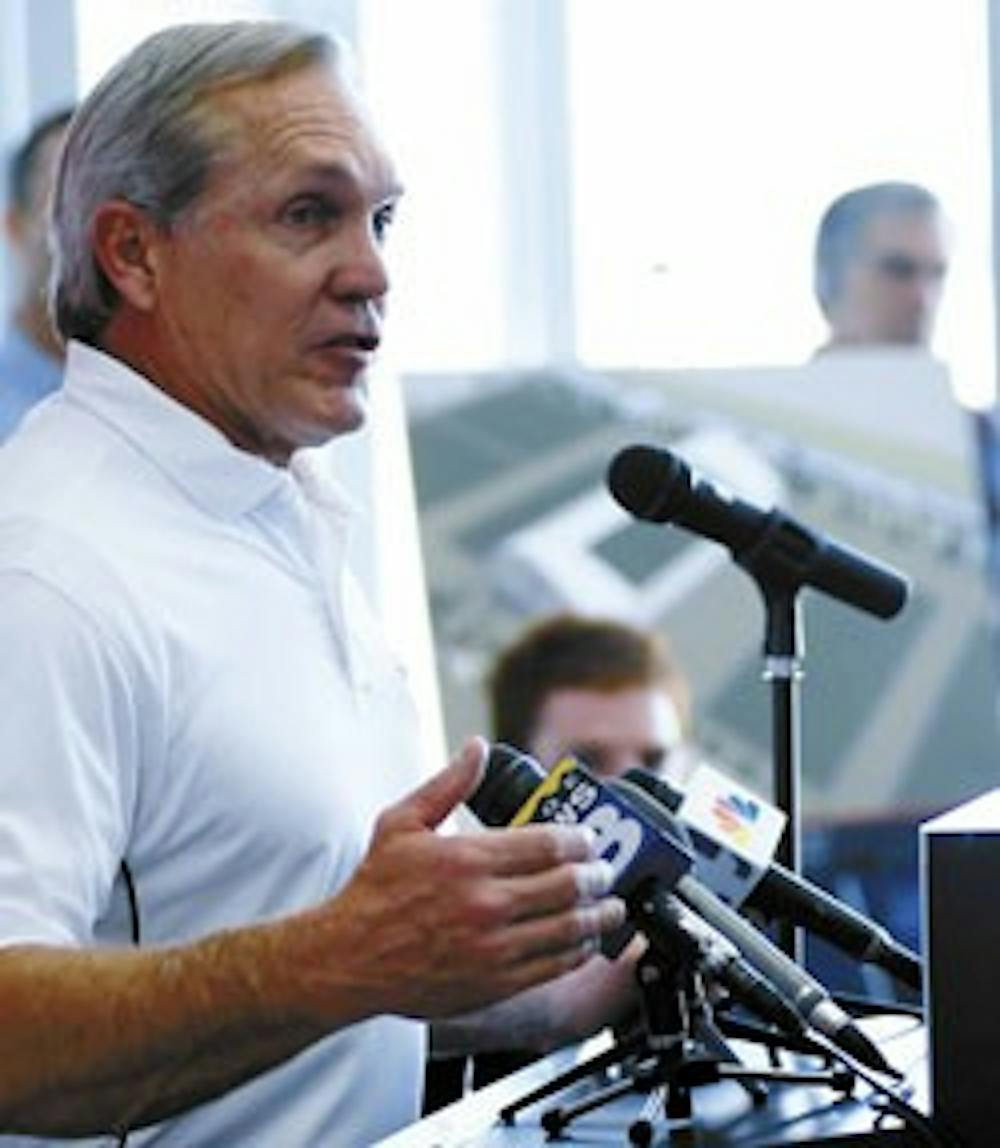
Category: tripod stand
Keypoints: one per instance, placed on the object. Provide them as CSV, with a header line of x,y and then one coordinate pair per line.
x,y
679,1047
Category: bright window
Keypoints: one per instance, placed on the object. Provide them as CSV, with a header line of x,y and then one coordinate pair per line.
x,y
705,140
709,137
107,29
430,73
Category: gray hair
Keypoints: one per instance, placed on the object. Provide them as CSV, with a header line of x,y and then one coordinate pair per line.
x,y
144,135
842,227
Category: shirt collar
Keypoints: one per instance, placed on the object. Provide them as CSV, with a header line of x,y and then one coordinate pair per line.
x,y
195,455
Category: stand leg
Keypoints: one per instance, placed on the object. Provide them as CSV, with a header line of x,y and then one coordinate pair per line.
x,y
619,1053
555,1120
681,1049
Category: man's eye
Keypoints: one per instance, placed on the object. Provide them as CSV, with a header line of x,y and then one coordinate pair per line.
x,y
309,212
654,759
591,756
382,219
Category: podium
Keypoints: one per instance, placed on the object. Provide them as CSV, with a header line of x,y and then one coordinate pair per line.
x,y
960,868
723,1113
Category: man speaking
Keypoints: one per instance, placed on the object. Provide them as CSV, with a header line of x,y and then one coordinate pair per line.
x,y
224,908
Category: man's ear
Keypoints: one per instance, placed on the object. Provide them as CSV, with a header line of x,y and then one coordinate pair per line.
x,y
125,242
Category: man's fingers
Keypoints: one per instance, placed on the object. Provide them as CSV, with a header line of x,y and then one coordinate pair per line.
x,y
531,849
558,890
573,934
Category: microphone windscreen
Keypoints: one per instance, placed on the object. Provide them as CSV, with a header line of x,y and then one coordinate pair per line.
x,y
509,780
649,483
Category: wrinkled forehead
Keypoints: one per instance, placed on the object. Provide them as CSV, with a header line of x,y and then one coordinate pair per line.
x,y
312,116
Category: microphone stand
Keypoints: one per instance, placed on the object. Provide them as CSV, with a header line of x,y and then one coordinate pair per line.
x,y
679,1047
778,561
782,555
783,654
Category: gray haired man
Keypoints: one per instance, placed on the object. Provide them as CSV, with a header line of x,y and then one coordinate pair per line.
x,y
224,908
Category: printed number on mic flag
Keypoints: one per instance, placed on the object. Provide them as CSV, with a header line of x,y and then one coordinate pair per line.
x,y
569,797
741,833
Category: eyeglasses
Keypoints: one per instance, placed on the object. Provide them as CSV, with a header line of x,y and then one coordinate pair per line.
x,y
904,269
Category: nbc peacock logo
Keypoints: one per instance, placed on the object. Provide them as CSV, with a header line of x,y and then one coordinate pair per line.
x,y
736,815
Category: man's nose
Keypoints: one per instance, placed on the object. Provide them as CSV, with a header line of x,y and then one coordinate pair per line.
x,y
362,272
929,289
615,762
922,297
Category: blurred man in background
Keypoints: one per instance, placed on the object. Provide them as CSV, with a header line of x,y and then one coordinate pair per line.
x,y
880,263
31,353
605,692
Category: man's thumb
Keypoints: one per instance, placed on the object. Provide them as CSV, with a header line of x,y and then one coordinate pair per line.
x,y
429,805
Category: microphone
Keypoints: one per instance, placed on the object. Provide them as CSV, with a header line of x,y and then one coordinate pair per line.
x,y
648,859
657,486
681,936
516,790
642,842
806,995
777,892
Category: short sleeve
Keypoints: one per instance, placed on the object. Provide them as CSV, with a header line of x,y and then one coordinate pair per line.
x,y
68,753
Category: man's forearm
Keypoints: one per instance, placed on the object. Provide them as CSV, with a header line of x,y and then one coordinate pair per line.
x,y
524,1022
105,1040
544,1017
92,1040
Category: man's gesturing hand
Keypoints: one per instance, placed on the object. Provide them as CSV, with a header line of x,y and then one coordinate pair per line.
x,y
433,925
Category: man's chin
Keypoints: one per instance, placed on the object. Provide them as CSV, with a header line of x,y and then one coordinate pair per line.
x,y
345,421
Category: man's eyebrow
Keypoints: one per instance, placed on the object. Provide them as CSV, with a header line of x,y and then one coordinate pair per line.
x,y
346,176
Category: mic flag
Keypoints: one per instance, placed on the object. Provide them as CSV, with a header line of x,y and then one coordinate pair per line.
x,y
745,830
516,790
768,888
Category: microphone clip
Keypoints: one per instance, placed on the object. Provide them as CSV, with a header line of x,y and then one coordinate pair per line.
x,y
782,557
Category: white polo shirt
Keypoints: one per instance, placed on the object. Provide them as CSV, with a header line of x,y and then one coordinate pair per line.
x,y
191,681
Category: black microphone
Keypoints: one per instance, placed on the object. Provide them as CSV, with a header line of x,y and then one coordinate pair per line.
x,y
657,486
806,995
780,893
648,858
